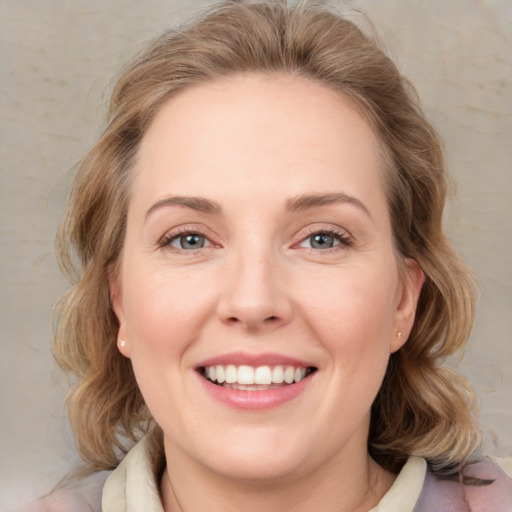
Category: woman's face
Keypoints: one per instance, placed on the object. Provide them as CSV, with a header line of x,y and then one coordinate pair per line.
x,y
259,248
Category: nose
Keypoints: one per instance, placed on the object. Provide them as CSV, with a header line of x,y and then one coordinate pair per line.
x,y
254,295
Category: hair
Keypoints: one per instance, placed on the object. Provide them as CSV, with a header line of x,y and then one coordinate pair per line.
x,y
422,408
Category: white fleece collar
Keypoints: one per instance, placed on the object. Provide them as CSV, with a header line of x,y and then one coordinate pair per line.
x,y
132,488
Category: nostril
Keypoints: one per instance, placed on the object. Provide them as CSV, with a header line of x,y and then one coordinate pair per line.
x,y
234,319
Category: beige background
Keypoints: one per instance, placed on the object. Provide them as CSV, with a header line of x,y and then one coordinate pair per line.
x,y
58,59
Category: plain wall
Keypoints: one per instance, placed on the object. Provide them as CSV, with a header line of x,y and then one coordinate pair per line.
x,y
58,61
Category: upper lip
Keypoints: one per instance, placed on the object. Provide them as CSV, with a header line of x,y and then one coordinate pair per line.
x,y
255,360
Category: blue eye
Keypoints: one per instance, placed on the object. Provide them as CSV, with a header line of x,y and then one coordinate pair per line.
x,y
186,241
191,241
323,240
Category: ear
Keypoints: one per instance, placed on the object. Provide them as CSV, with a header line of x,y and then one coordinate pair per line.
x,y
116,298
409,292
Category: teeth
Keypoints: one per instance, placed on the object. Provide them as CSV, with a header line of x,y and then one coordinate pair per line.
x,y
289,373
231,374
221,374
299,374
277,374
245,387
263,375
248,377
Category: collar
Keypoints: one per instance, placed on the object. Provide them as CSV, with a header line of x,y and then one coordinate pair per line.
x,y
132,487
406,489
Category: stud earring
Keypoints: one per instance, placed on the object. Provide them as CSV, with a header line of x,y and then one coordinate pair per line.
x,y
123,343
399,335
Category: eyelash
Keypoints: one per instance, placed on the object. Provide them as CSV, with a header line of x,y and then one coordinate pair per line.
x,y
344,240
169,238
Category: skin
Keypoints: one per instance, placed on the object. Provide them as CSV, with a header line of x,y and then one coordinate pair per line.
x,y
254,144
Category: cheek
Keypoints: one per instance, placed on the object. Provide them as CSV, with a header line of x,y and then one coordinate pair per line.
x,y
164,313
352,316
350,304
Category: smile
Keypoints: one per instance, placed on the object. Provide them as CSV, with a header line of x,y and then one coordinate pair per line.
x,y
249,378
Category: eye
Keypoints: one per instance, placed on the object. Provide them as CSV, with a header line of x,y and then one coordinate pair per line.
x,y
186,241
324,240
189,242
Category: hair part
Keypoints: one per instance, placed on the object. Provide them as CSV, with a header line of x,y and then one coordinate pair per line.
x,y
422,409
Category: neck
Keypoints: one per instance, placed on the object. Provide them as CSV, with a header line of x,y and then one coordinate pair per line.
x,y
354,486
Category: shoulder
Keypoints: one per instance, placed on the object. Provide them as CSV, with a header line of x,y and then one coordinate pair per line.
x,y
489,489
78,495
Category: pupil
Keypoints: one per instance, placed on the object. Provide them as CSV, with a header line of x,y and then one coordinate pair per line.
x,y
322,241
192,241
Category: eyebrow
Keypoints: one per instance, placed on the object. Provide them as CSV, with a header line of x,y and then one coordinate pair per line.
x,y
298,203
306,201
195,203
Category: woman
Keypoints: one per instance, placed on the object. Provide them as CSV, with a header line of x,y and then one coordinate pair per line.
x,y
264,290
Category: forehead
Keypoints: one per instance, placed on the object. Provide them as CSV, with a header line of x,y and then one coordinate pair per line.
x,y
255,129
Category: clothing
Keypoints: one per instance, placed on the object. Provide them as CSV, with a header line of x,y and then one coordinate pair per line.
x,y
74,495
132,488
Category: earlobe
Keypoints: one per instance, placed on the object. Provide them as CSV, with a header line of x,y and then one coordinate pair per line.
x,y
412,282
117,305
123,345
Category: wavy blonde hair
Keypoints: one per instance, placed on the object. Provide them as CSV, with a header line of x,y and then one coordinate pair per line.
x,y
422,409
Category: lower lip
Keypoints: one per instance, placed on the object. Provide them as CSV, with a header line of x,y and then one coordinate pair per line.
x,y
255,400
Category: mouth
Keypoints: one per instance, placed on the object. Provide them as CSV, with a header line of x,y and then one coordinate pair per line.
x,y
251,378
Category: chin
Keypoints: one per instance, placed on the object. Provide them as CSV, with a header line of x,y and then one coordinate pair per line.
x,y
259,468
259,456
